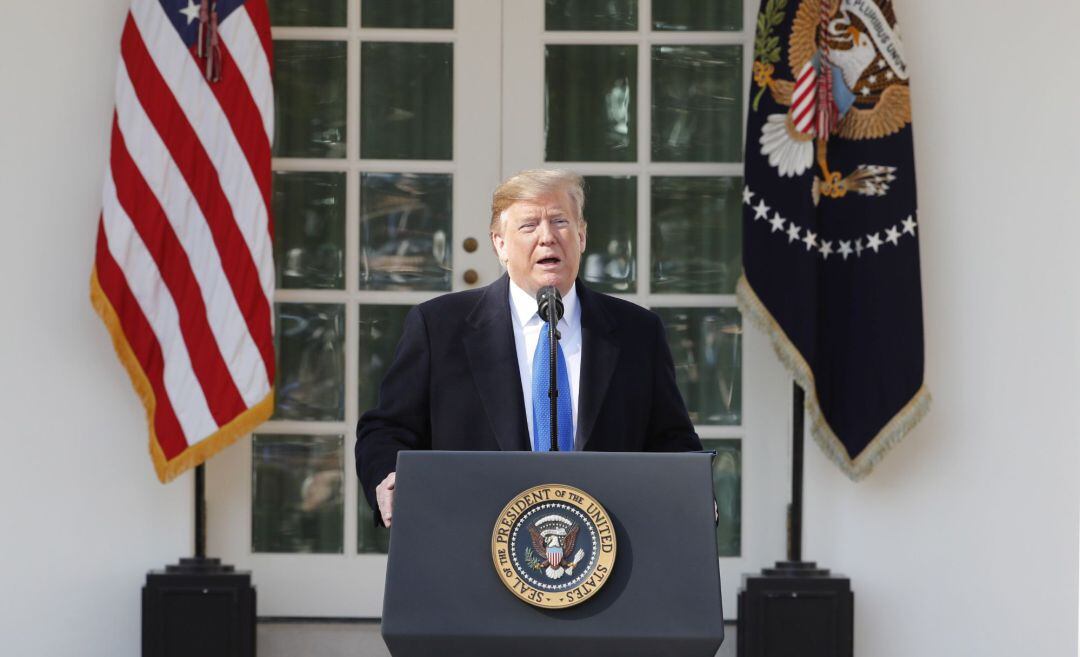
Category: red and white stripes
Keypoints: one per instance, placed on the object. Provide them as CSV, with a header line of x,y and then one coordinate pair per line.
x,y
804,100
184,273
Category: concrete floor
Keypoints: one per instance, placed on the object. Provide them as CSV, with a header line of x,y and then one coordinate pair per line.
x,y
352,639
293,639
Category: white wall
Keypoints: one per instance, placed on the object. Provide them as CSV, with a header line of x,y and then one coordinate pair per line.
x,y
964,540
82,516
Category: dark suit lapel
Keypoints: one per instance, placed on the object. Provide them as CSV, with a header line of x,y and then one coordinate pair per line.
x,y
489,346
599,354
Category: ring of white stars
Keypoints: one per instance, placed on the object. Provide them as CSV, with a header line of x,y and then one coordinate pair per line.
x,y
583,573
869,243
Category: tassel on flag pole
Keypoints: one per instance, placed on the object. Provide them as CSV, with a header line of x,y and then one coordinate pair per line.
x,y
208,46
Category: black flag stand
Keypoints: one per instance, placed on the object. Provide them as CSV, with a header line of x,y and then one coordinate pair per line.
x,y
794,561
796,607
199,606
200,511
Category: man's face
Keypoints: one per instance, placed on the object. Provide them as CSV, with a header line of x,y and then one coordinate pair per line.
x,y
541,243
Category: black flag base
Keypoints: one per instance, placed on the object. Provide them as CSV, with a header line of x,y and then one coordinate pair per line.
x,y
796,608
200,565
198,607
795,569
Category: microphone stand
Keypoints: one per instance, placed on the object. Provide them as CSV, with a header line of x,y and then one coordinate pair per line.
x,y
553,388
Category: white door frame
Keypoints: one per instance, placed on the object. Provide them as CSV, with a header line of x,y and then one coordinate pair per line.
x,y
498,129
766,446
351,585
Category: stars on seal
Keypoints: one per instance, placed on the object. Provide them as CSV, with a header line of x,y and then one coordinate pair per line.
x,y
777,222
761,211
817,244
892,236
845,249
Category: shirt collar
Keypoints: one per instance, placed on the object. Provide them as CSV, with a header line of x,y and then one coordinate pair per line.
x,y
524,305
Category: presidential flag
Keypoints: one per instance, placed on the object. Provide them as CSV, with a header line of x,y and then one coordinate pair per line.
x,y
183,271
830,221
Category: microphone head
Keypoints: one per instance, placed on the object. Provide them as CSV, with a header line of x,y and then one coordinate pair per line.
x,y
548,297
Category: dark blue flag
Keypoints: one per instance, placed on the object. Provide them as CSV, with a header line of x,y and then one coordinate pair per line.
x,y
830,224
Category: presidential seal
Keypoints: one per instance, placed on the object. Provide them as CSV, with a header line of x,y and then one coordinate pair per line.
x,y
553,546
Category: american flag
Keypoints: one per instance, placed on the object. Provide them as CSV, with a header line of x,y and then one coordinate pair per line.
x,y
183,272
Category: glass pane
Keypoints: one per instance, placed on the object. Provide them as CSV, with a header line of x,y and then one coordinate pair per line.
x,y
697,103
309,230
727,487
369,537
591,15
706,344
309,98
380,330
323,13
405,231
297,493
591,114
610,260
696,234
699,15
311,362
406,101
431,14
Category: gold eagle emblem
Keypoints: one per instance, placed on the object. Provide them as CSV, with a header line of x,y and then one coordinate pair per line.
x,y
870,90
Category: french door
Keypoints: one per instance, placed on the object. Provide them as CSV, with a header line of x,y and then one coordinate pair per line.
x,y
395,121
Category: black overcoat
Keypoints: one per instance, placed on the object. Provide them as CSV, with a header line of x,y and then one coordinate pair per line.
x,y
455,383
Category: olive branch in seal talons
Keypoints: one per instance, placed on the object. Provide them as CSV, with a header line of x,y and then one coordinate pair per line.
x,y
767,45
530,558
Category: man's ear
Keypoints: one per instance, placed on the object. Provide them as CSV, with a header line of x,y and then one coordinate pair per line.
x,y
500,246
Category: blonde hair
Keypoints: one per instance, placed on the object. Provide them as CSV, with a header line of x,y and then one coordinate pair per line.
x,y
534,184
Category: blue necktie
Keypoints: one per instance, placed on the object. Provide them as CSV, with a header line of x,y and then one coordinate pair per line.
x,y
541,403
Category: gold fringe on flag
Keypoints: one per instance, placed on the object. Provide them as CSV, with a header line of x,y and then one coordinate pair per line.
x,y
194,455
891,434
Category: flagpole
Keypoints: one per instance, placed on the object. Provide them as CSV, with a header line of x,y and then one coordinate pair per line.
x,y
794,552
806,585
226,604
200,511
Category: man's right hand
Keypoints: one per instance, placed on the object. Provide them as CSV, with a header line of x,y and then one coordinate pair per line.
x,y
384,495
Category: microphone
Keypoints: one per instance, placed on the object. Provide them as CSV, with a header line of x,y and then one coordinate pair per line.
x,y
549,305
548,299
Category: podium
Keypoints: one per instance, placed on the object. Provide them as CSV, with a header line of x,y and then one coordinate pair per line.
x,y
444,594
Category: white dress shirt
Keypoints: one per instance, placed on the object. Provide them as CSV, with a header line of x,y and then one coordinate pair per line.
x,y
527,325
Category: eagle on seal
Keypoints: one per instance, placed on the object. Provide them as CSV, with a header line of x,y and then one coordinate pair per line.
x,y
866,98
553,546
